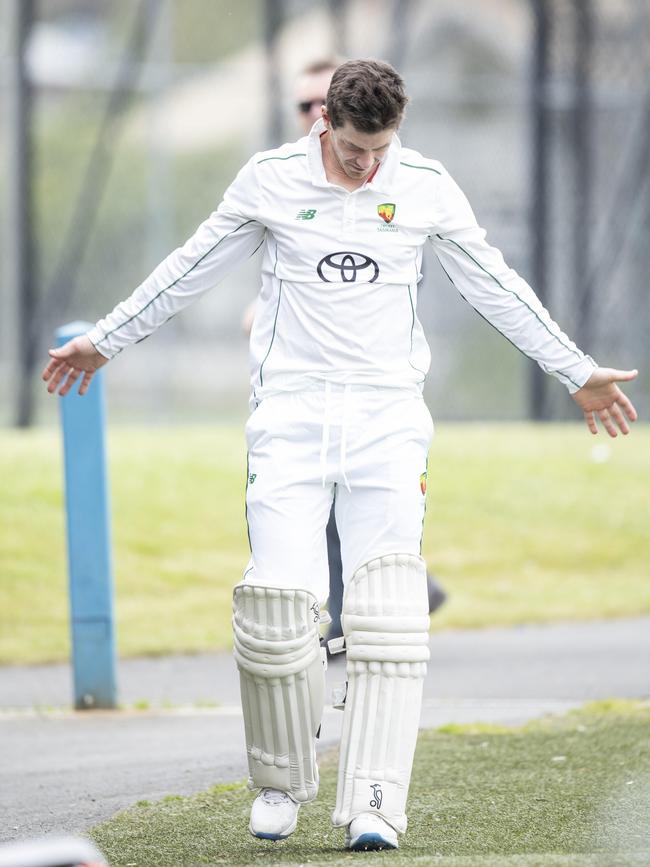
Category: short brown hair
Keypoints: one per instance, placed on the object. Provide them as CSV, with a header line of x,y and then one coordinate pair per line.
x,y
368,93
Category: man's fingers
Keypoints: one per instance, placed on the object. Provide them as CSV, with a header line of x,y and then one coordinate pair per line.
x,y
607,422
627,406
49,370
57,376
77,358
57,363
619,418
73,375
61,353
591,422
85,382
623,375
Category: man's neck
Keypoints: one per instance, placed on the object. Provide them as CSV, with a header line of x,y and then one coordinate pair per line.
x,y
333,171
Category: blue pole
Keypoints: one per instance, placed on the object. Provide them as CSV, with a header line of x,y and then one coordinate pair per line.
x,y
88,536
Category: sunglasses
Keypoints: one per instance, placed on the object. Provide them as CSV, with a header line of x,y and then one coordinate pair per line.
x,y
306,107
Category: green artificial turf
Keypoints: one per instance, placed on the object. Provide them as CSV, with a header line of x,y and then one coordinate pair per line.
x,y
563,791
524,523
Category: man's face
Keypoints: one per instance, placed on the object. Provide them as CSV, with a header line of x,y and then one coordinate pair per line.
x,y
310,97
358,153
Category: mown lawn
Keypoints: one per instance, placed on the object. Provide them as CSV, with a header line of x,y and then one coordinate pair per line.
x,y
523,524
563,792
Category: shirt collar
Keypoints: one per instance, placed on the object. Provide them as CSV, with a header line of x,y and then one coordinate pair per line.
x,y
382,181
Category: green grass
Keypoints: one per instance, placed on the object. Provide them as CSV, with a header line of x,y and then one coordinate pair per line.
x,y
522,525
564,791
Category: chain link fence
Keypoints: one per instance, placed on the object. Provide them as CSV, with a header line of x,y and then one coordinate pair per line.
x,y
143,112
593,116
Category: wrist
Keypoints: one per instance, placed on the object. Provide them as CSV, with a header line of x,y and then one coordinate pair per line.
x,y
94,336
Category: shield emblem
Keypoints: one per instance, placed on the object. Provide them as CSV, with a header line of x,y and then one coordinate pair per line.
x,y
386,211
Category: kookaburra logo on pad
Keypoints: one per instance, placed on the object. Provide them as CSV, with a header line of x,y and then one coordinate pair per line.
x,y
377,796
344,267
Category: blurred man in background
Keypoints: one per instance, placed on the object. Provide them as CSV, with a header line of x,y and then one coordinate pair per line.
x,y
311,91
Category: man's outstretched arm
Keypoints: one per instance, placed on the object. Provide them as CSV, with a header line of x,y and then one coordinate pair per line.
x,y
502,297
78,356
600,396
230,235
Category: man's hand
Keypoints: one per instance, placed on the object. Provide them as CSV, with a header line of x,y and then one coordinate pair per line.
x,y
75,357
602,397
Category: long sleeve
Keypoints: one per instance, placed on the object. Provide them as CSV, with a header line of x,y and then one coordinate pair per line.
x,y
498,293
230,235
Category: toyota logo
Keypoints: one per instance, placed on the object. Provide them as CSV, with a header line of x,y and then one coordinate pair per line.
x,y
344,267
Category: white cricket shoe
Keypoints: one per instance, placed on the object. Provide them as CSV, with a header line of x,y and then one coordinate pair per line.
x,y
368,832
274,815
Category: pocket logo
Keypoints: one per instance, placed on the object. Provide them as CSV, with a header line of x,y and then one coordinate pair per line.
x,y
386,211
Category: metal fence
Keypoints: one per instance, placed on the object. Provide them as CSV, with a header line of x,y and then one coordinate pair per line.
x,y
590,214
540,109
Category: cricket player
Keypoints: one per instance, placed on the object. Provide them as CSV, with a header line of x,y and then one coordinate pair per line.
x,y
311,95
338,358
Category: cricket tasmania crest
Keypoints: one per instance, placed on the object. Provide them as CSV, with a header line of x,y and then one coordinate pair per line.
x,y
386,211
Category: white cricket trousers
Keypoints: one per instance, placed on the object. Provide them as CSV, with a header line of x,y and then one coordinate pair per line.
x,y
364,447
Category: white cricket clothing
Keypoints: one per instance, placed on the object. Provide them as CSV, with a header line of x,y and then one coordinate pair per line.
x,y
340,274
385,622
369,445
278,654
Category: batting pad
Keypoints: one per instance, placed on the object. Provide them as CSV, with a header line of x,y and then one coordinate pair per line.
x,y
282,681
386,626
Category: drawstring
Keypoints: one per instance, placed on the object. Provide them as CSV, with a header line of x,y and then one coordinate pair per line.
x,y
325,442
344,437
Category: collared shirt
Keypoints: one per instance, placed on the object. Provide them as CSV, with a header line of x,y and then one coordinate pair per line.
x,y
340,274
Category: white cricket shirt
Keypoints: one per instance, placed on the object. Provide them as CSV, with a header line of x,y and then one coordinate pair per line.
x,y
340,274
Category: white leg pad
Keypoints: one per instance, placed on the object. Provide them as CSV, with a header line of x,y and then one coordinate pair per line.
x,y
386,626
282,679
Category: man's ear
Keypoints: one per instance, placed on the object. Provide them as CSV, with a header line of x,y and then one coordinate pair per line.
x,y
326,117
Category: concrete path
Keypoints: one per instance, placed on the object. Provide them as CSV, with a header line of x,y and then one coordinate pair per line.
x,y
65,771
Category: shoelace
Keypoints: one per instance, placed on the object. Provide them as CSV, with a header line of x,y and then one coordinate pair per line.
x,y
274,796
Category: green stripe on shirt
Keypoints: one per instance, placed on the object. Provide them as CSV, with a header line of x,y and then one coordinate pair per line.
x,y
290,157
426,168
512,292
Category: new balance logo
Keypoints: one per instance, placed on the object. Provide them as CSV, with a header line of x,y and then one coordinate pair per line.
x,y
377,796
306,215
